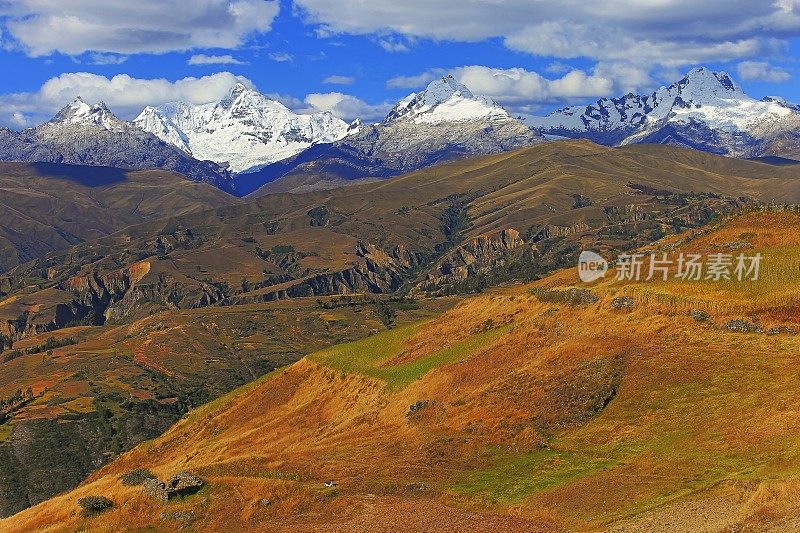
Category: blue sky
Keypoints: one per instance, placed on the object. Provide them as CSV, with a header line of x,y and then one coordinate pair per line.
x,y
357,58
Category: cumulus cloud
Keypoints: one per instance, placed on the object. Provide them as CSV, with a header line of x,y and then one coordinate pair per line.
x,y
339,80
521,90
345,106
124,94
41,27
18,119
517,83
292,102
203,59
669,33
762,71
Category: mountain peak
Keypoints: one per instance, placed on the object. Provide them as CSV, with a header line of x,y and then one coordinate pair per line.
x,y
77,108
705,109
82,114
445,100
245,131
704,81
445,88
238,89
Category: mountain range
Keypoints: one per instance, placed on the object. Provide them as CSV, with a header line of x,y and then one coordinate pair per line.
x,y
245,131
248,142
705,110
84,134
444,122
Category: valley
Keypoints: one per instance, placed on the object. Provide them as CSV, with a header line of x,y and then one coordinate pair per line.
x,y
117,338
511,411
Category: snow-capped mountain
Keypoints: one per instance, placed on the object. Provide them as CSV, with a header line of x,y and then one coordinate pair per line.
x,y
246,130
446,100
442,123
86,134
80,113
705,110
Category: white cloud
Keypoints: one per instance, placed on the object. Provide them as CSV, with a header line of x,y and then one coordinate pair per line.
x,y
395,44
413,82
667,33
124,94
203,59
18,119
345,106
106,59
41,27
520,90
339,80
292,102
627,77
557,67
281,57
762,71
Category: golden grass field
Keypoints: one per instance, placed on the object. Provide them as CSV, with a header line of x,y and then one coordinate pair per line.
x,y
535,416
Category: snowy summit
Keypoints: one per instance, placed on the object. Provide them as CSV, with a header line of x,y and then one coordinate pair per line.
x,y
246,130
80,113
705,110
445,100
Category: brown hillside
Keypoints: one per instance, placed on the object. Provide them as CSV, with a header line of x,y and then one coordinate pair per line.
x,y
449,230
511,411
557,196
47,206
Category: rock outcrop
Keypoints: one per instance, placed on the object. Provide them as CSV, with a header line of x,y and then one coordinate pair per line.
x,y
376,271
477,255
181,484
551,231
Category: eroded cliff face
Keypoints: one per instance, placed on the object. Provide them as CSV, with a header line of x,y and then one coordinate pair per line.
x,y
376,271
123,293
95,297
552,231
477,255
102,292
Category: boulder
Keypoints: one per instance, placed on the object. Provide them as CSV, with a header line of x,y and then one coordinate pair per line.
x,y
181,484
156,489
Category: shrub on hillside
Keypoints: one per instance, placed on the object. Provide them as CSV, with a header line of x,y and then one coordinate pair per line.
x,y
572,296
136,477
94,505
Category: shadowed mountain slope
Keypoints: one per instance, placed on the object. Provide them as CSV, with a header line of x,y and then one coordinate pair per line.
x,y
46,207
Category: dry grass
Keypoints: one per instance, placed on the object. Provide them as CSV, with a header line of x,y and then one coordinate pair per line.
x,y
580,417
